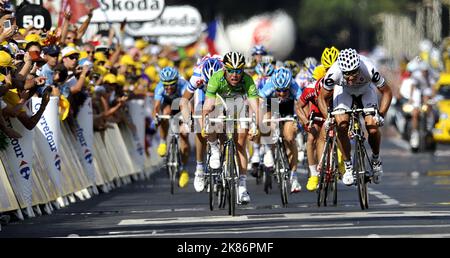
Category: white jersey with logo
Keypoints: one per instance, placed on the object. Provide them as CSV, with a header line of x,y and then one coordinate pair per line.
x,y
368,74
364,85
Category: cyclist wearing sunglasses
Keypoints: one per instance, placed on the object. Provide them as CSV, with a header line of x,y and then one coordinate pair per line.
x,y
170,89
355,75
282,88
232,83
203,71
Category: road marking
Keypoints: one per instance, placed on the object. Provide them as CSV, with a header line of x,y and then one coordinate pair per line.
x,y
437,235
288,216
276,229
385,198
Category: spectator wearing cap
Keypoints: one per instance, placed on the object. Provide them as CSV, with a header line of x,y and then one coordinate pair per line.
x,y
73,84
51,54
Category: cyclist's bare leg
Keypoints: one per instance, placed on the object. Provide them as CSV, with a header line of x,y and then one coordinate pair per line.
x,y
343,139
311,145
184,148
289,134
164,127
415,119
320,144
200,147
374,135
242,151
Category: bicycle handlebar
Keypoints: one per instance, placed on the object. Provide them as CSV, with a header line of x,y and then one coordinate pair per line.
x,y
225,119
283,119
358,110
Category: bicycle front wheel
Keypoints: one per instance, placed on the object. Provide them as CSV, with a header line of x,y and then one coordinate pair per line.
x,y
211,183
361,180
231,182
282,170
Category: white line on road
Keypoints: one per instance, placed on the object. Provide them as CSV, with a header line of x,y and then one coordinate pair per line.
x,y
275,229
385,198
289,216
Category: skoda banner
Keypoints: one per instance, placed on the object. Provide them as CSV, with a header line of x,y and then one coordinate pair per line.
x,y
132,10
85,138
19,155
47,139
174,21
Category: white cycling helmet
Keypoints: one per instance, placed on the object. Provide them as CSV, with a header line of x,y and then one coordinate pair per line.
x,y
349,60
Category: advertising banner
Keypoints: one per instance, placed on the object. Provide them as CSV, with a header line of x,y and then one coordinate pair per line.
x,y
19,154
85,138
47,133
132,10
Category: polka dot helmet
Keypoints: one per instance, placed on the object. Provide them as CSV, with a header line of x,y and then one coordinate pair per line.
x,y
348,60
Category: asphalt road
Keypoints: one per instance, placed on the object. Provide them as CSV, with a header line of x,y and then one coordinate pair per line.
x,y
412,201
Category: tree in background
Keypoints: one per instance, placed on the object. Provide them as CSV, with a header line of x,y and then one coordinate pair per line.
x,y
344,23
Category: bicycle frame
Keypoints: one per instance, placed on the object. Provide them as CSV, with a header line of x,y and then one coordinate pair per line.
x,y
328,165
363,173
173,159
230,172
282,166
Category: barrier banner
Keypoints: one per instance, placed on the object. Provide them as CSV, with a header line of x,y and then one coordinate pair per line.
x,y
47,139
84,133
19,155
8,201
136,108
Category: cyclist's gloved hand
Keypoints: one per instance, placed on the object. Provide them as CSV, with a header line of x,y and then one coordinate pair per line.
x,y
379,120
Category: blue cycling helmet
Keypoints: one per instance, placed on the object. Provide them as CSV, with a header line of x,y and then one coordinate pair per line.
x,y
282,78
264,69
211,66
259,50
168,75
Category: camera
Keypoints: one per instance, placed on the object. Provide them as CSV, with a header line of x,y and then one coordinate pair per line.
x,y
7,24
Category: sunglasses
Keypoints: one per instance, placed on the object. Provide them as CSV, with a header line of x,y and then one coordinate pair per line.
x,y
74,57
54,55
173,85
351,73
235,71
282,90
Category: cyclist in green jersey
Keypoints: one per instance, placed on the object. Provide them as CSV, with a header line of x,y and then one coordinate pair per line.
x,y
231,85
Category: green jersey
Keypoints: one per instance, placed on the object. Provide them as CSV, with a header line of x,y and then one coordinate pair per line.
x,y
219,85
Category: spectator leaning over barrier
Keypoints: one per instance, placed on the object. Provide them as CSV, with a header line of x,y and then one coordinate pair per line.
x,y
16,97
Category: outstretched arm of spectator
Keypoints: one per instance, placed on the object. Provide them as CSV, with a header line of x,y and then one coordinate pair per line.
x,y
80,83
85,25
65,28
111,111
31,122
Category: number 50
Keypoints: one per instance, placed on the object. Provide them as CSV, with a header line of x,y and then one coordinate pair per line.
x,y
37,21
